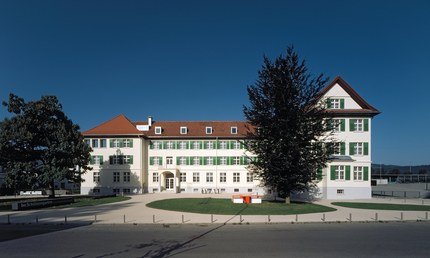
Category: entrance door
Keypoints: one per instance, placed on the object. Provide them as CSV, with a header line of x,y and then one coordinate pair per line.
x,y
170,183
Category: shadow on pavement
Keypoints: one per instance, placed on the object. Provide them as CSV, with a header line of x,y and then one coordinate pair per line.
x,y
15,231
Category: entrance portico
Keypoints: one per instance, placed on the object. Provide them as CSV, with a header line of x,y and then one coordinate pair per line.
x,y
169,181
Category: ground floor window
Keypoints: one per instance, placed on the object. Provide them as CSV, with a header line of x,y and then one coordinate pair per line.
x,y
358,173
340,173
223,177
115,177
116,190
340,191
196,177
96,177
236,177
155,177
183,177
249,177
126,176
209,177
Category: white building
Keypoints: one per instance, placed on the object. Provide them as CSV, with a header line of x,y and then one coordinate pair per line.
x,y
209,156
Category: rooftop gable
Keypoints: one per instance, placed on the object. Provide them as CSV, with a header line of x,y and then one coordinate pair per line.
x,y
119,125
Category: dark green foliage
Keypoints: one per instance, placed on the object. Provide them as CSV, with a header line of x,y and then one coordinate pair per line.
x,y
39,144
289,128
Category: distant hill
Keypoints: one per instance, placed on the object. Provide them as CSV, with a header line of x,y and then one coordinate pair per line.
x,y
394,169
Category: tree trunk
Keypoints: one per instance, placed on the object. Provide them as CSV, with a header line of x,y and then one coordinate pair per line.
x,y
287,200
52,185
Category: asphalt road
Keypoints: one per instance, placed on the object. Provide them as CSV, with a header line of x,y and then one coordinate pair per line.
x,y
407,239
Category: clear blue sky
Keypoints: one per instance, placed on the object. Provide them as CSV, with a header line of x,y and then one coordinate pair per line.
x,y
192,60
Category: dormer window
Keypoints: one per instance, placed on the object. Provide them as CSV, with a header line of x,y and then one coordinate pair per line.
x,y
209,130
158,130
233,130
184,130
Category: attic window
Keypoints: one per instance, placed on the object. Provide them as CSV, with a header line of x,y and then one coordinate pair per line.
x,y
184,130
158,130
335,103
208,130
233,130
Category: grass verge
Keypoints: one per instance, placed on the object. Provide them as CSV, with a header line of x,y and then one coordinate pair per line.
x,y
383,206
227,207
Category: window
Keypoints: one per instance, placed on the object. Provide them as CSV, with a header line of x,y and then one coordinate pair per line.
x,y
169,160
196,161
338,125
222,177
236,145
103,143
115,177
249,178
233,130
158,130
96,160
155,177
183,145
95,143
340,191
236,177
126,190
115,143
116,190
335,103
358,173
156,145
128,159
223,161
128,143
170,145
156,161
208,130
209,161
196,177
340,173
96,177
183,177
209,177
358,148
116,159
210,145
223,145
183,130
196,145
358,125
183,161
96,190
87,142
236,160
337,148
126,176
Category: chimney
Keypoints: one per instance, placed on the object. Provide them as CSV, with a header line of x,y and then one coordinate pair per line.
x,y
149,121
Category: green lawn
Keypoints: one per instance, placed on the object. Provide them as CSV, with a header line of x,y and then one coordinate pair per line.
x,y
227,207
383,206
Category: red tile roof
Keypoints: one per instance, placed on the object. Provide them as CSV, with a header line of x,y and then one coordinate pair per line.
x,y
119,125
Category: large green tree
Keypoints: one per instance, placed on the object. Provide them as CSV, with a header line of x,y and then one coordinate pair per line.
x,y
289,125
39,144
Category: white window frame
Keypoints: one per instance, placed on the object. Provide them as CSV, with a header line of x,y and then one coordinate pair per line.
x,y
223,145
169,160
158,130
210,145
182,145
103,143
337,149
210,161
236,145
340,172
209,177
156,145
335,103
358,173
116,177
196,161
358,148
196,145
223,177
96,177
126,176
196,177
127,143
236,161
155,177
236,177
95,143
233,130
183,177
358,125
170,145
183,161
223,161
249,177
157,161
127,159
209,130
183,130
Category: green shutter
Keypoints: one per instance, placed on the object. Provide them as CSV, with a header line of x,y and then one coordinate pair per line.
x,y
330,124
342,125
202,161
351,148
319,173
178,159
188,161
342,148
366,148
328,102
201,144
347,172
229,160
205,145
217,145
151,145
332,172
163,145
121,143
351,125
101,160
242,145
111,143
188,145
160,161
230,145
131,143
92,160
342,103
218,160
366,125
242,160
176,145
366,173
151,161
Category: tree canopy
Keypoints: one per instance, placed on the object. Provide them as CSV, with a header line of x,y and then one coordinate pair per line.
x,y
290,137
39,144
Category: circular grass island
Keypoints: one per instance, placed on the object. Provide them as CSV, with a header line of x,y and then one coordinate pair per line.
x,y
227,207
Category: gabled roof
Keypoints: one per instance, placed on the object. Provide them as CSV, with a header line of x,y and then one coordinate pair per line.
x,y
197,129
366,108
119,125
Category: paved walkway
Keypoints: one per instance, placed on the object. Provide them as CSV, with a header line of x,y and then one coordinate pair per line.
x,y
135,211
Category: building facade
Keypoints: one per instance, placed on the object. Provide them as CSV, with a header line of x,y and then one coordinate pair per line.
x,y
210,156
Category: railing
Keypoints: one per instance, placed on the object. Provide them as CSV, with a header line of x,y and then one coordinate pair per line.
x,y
398,194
